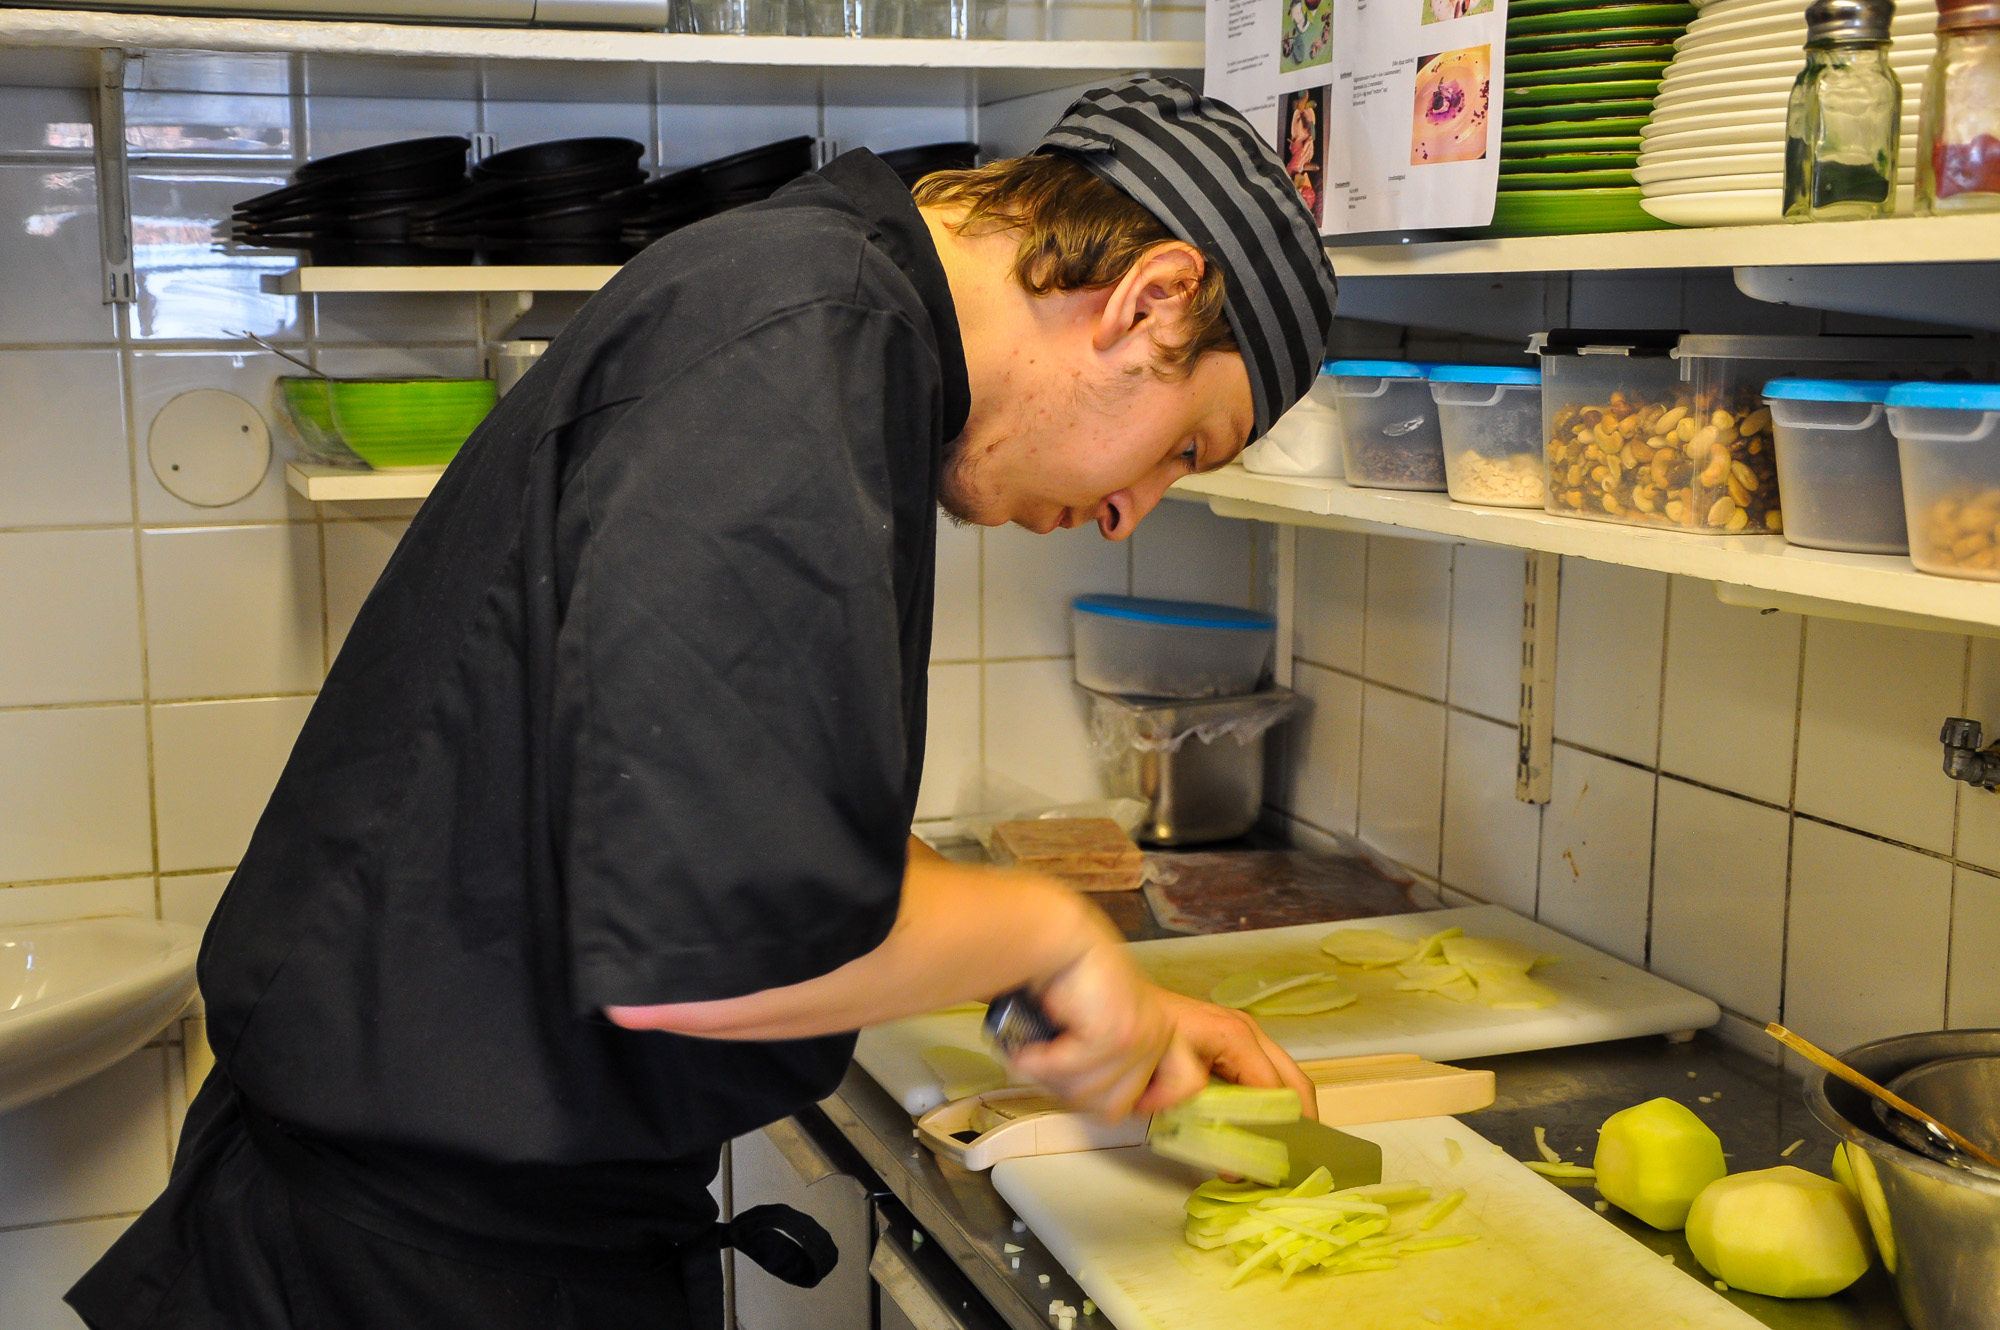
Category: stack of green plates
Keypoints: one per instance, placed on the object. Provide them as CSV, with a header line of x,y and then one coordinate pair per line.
x,y
1580,83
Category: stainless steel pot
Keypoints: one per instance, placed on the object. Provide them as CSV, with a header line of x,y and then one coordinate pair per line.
x,y
1197,764
1938,1225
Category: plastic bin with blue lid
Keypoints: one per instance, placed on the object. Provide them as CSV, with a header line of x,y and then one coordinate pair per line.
x,y
1305,441
1139,647
1388,424
1837,465
1490,418
1948,435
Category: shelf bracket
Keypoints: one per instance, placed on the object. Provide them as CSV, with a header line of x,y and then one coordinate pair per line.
x,y
114,189
1534,766
499,311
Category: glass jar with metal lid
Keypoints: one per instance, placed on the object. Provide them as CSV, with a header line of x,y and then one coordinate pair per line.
x,y
1845,116
1959,142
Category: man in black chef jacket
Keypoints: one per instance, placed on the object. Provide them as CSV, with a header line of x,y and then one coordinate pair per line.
x,y
595,846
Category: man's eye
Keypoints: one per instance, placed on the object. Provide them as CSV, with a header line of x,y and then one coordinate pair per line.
x,y
1192,456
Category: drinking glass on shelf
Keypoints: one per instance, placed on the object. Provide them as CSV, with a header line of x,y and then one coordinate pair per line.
x,y
981,20
756,18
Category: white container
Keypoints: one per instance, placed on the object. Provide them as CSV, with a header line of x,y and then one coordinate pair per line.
x,y
511,360
1388,425
1948,435
1169,648
1490,419
1837,465
1305,441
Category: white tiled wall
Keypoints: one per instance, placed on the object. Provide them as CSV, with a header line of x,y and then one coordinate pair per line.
x,y
1006,724
1747,802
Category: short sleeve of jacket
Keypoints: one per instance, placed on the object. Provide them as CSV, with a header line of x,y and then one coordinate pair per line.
x,y
729,719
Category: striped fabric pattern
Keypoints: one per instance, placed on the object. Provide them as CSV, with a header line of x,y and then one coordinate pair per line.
x,y
1198,166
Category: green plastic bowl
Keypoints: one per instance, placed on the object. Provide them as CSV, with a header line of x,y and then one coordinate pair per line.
x,y
307,407
397,424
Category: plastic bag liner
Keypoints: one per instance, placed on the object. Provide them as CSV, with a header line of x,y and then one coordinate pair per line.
x,y
1127,813
1161,725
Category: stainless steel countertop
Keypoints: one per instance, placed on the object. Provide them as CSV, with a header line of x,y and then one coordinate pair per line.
x,y
1569,1092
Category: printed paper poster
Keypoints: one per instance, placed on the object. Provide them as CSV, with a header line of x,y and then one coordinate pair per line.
x,y
1386,112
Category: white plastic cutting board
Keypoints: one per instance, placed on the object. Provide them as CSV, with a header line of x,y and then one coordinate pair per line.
x,y
1542,1262
1601,997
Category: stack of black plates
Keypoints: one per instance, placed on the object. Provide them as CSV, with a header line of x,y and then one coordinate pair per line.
x,y
545,203
357,207
673,201
1580,83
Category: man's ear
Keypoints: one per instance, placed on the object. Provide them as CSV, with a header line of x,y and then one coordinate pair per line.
x,y
1154,295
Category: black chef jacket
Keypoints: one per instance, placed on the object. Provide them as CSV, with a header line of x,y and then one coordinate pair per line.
x,y
634,715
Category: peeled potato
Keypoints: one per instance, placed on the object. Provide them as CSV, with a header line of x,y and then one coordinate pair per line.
x,y
1782,1232
1654,1158
1370,948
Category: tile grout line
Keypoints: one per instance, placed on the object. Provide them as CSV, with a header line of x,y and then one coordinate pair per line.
x,y
1792,818
1957,819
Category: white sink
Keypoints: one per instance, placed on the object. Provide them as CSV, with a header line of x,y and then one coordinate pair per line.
x,y
77,997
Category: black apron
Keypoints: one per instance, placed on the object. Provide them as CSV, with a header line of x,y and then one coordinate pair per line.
x,y
272,1229
634,715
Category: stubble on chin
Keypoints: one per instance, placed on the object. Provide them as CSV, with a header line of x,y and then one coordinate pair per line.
x,y
960,492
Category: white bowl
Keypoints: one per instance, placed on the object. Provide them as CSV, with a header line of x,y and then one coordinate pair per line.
x,y
1649,156
1738,207
1713,101
1748,165
77,997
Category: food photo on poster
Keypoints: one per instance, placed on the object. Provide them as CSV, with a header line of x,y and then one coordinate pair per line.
x,y
1303,114
1452,107
1386,112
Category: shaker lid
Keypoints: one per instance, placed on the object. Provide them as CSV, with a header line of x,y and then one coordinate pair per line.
x,y
1838,22
1959,15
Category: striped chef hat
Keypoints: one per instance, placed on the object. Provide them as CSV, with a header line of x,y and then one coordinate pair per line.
x,y
1198,166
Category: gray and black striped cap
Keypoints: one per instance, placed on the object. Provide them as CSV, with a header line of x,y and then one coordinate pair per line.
x,y
1198,166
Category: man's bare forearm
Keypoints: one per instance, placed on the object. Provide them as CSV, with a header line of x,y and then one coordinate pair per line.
x,y
962,933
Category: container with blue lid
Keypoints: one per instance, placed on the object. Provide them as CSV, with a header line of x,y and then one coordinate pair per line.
x,y
1139,647
1490,422
1949,437
1388,424
1837,465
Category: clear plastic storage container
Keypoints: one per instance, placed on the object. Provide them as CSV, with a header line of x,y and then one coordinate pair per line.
x,y
1388,425
1837,465
1949,437
1305,441
1670,430
1170,648
1490,418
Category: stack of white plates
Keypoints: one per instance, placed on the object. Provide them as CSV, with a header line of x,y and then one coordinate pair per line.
x,y
1714,147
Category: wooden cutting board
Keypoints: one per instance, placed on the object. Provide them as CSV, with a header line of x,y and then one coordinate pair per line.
x,y
1542,1262
1599,997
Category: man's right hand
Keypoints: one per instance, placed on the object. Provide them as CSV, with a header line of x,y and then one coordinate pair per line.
x,y
1130,1047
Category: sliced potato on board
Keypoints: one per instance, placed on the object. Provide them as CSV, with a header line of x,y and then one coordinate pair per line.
x,y
1306,1000
1242,989
1369,948
961,1072
1489,955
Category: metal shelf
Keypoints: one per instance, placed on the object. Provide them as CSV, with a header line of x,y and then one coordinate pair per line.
x,y
335,484
482,280
1761,571
1896,240
90,30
